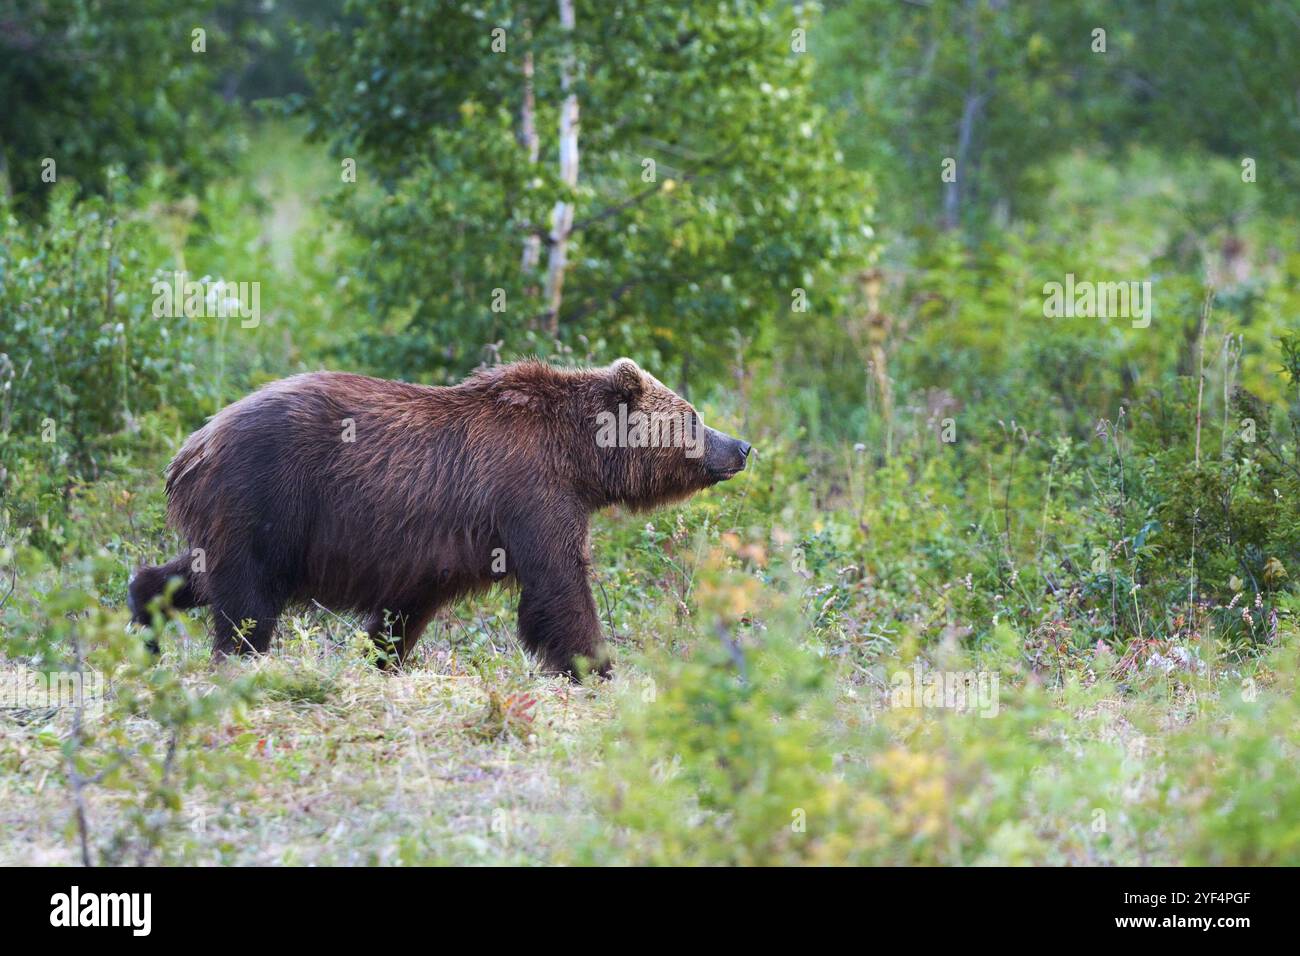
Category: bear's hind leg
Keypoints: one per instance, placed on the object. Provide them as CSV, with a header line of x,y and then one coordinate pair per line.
x,y
244,614
243,632
396,633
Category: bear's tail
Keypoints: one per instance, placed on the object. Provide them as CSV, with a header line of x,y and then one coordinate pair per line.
x,y
149,582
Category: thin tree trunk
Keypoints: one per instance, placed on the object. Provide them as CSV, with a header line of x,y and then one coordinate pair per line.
x,y
562,217
953,192
5,183
528,139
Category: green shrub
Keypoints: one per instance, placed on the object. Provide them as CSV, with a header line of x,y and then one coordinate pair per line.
x,y
84,355
139,738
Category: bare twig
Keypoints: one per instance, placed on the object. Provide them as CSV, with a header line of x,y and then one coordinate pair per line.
x,y
13,583
75,778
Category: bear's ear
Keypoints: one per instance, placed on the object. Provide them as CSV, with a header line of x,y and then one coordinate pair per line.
x,y
627,377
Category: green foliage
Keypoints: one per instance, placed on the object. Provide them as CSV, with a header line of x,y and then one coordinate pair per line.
x,y
720,758
92,84
84,353
1235,786
999,87
982,84
132,735
747,200
1230,514
84,360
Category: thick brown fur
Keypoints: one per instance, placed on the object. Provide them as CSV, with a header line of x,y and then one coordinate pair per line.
x,y
441,492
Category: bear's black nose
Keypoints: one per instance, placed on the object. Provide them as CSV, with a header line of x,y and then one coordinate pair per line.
x,y
744,449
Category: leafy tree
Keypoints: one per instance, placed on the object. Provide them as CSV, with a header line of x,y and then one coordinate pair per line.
x,y
82,354
997,88
94,83
1219,75
264,65
698,191
953,102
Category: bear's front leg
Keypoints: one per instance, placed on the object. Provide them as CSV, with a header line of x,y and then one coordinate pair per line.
x,y
558,624
557,614
549,559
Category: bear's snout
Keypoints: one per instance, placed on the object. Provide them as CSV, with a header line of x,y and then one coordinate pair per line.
x,y
726,455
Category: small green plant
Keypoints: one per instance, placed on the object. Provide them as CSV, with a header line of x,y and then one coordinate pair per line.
x,y
723,757
138,743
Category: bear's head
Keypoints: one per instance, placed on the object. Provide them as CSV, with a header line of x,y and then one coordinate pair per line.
x,y
651,443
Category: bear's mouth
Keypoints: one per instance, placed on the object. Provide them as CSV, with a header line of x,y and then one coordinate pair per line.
x,y
723,474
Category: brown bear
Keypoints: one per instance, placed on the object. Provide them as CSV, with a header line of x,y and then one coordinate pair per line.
x,y
393,499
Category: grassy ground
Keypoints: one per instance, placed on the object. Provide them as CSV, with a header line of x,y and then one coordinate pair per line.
x,y
312,755
351,767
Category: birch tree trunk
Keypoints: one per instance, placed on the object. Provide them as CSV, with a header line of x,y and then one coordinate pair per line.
x,y
528,139
952,192
562,217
